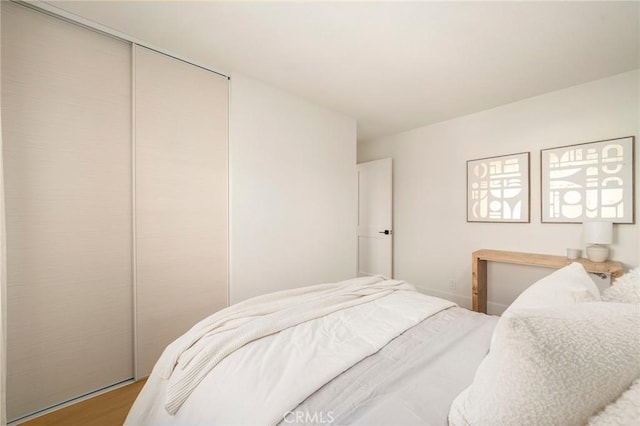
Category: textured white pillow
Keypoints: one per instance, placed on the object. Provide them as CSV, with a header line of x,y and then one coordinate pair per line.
x,y
553,366
565,286
625,289
624,411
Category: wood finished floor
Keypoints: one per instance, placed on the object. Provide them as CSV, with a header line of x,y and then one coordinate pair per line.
x,y
108,409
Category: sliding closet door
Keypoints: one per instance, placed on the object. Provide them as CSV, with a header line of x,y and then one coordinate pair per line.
x,y
66,119
181,128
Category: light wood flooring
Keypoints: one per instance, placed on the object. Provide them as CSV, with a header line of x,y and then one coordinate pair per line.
x,y
108,409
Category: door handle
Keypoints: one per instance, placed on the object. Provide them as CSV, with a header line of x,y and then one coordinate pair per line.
x,y
385,232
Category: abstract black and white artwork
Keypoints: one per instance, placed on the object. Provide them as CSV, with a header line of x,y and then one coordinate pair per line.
x,y
588,181
498,189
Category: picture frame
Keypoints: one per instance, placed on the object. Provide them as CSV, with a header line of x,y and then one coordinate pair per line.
x,y
588,181
498,189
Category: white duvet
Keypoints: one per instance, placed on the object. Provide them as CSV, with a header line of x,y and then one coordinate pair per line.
x,y
256,361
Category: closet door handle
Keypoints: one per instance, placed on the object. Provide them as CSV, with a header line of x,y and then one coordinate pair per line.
x,y
385,232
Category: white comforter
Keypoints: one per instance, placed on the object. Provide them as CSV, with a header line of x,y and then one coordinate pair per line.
x,y
256,361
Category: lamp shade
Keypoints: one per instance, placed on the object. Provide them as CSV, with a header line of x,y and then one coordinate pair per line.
x,y
598,232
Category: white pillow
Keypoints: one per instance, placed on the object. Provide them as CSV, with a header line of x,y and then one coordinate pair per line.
x,y
624,411
565,286
553,366
625,289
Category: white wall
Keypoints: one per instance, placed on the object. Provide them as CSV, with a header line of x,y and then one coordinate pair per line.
x,y
293,191
433,241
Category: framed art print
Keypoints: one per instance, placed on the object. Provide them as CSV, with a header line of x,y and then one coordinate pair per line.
x,y
498,189
588,181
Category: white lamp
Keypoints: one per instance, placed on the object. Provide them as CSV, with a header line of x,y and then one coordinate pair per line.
x,y
598,233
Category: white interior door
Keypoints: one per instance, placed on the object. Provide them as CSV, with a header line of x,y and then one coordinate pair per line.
x,y
375,218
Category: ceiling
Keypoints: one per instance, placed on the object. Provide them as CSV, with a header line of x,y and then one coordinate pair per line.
x,y
394,65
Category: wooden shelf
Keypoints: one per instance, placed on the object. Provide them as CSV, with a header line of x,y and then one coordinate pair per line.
x,y
481,257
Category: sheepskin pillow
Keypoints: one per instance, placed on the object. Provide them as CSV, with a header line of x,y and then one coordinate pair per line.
x,y
553,366
624,411
565,286
625,289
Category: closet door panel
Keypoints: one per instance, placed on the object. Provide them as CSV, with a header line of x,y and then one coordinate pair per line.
x,y
181,118
66,104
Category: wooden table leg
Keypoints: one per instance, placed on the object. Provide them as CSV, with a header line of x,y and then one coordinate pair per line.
x,y
479,284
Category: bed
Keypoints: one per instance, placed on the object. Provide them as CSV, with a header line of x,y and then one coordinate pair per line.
x,y
375,351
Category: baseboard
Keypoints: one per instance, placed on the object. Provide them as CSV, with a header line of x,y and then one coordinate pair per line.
x,y
493,308
462,301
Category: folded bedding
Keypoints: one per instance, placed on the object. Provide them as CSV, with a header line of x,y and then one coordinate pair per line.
x,y
209,342
256,361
